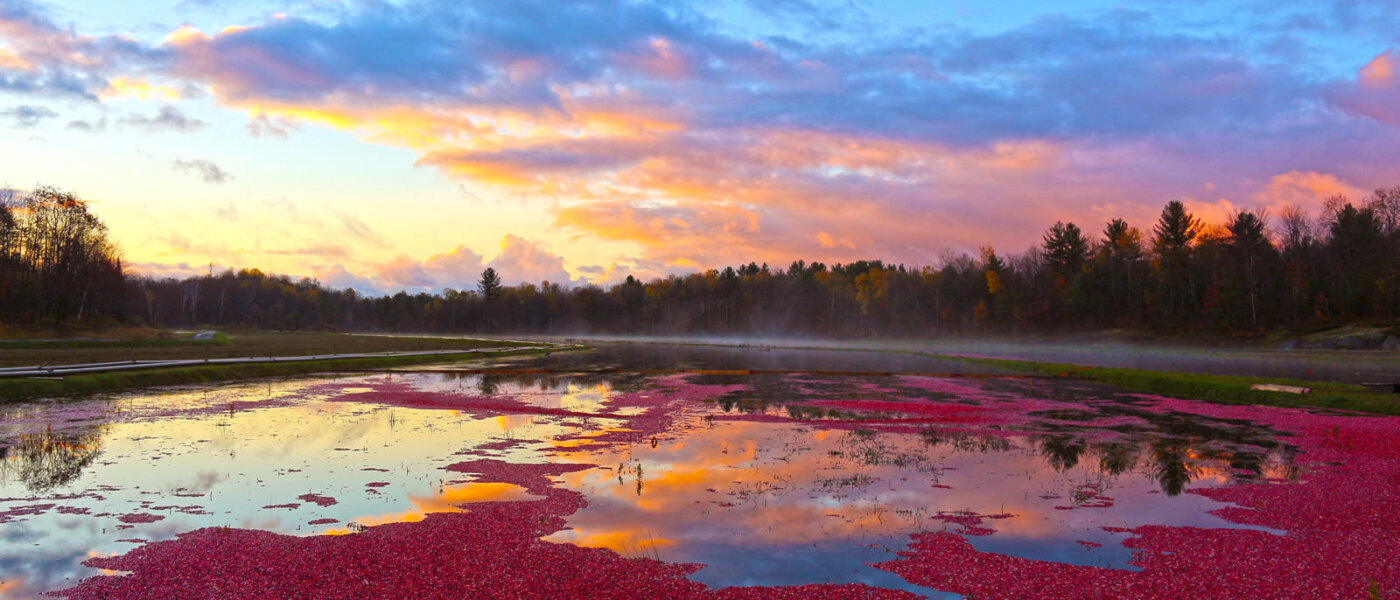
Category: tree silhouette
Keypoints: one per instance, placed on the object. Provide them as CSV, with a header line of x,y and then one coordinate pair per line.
x,y
1176,229
1065,250
57,268
56,262
1252,254
1358,251
489,285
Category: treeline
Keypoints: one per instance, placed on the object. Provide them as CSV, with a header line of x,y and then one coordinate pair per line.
x,y
1248,275
56,264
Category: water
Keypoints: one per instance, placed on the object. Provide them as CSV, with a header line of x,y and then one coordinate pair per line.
x,y
774,478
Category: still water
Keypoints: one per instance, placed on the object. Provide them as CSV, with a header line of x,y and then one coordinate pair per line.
x,y
804,472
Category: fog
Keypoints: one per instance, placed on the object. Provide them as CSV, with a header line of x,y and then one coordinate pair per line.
x,y
1345,366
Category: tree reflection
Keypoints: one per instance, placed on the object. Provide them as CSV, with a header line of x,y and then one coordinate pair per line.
x,y
47,460
489,384
1169,466
1062,451
965,442
1116,458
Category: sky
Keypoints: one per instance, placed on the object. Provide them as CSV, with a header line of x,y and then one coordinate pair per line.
x,y
406,145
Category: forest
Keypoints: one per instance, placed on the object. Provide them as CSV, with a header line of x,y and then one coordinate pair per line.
x,y
1252,274
57,265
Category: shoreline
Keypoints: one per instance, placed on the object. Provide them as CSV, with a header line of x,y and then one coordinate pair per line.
x,y
1211,387
122,381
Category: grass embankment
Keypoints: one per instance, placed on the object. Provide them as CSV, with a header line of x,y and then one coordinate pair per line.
x,y
235,345
1229,389
17,353
219,339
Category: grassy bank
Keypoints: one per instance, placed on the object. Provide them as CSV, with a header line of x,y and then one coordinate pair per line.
x,y
1228,389
17,389
219,339
18,353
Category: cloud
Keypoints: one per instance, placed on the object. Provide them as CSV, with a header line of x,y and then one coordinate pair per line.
x,y
94,126
404,273
1380,72
140,88
328,251
167,118
26,115
526,261
520,261
350,226
40,58
459,268
812,16
280,128
662,129
1375,93
205,169
618,271
338,277
158,270
1304,189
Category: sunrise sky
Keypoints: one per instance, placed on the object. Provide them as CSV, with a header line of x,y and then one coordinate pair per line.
x,y
406,145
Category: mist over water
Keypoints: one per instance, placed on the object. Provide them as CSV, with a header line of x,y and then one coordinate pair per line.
x,y
1344,366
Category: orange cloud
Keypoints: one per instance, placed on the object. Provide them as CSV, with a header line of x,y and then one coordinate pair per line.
x,y
1376,91
628,152
1304,188
1380,71
10,60
630,169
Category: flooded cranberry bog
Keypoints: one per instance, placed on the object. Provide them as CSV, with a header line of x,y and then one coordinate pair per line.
x,y
672,472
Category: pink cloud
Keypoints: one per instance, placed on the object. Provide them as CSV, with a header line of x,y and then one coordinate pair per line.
x,y
459,268
338,277
520,261
1376,91
525,261
403,272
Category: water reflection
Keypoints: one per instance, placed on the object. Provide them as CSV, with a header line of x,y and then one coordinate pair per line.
x,y
46,460
787,480
1173,448
752,498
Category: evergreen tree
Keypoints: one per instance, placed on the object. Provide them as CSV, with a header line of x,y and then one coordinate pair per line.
x,y
1358,252
1065,250
489,285
1173,235
1253,259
